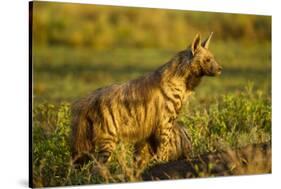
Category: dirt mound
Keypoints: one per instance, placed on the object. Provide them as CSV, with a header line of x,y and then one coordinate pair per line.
x,y
251,159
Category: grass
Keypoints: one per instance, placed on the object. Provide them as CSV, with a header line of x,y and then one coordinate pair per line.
x,y
231,121
230,111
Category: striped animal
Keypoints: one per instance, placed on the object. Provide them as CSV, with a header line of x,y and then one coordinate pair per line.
x,y
143,110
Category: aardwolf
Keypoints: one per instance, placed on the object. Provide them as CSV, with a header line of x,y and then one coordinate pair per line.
x,y
143,110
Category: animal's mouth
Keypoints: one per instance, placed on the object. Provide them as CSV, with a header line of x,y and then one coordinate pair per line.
x,y
215,73
218,73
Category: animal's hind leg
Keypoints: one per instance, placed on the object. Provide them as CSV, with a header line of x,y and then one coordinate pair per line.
x,y
105,147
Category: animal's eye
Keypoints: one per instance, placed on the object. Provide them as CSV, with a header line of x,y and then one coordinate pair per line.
x,y
208,59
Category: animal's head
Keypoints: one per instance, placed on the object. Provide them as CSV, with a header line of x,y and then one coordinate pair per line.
x,y
203,61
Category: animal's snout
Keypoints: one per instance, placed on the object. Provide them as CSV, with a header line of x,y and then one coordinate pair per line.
x,y
219,70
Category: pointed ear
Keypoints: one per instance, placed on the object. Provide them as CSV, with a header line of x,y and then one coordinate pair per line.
x,y
206,43
196,43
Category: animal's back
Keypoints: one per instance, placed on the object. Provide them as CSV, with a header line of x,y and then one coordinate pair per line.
x,y
126,112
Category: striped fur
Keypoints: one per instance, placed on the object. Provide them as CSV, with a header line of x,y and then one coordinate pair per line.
x,y
141,110
178,147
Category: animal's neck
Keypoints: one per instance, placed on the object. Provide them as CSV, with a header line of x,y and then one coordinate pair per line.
x,y
174,90
192,81
180,88
179,79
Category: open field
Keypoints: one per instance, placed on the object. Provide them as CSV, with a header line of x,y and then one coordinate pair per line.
x,y
63,74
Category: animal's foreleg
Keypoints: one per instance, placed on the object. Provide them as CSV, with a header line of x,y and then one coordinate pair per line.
x,y
163,138
143,154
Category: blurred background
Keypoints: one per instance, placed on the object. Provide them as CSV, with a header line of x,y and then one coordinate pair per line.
x,y
78,48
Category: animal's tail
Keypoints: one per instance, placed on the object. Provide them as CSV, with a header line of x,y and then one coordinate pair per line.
x,y
82,129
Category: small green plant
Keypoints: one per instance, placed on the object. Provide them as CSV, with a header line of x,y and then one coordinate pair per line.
x,y
51,129
232,120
